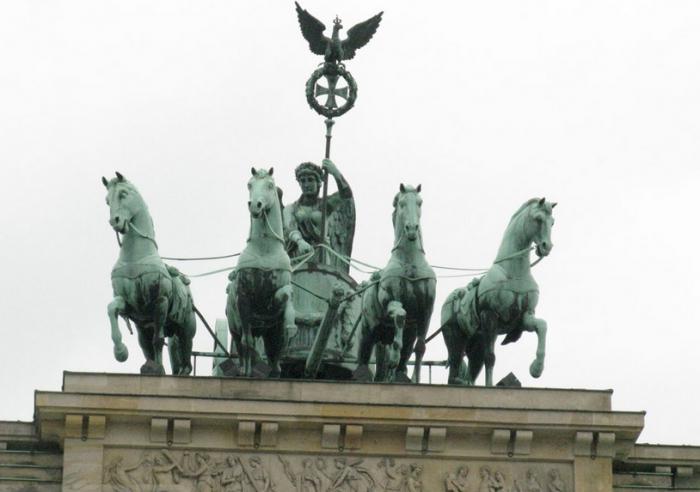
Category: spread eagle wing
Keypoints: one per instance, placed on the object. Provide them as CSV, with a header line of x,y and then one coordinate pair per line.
x,y
312,30
359,35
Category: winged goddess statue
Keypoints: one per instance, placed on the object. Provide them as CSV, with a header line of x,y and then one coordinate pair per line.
x,y
333,49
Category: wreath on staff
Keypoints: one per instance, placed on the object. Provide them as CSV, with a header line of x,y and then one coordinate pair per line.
x,y
340,71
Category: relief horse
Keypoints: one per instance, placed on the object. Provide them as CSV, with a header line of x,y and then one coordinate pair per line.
x,y
155,296
396,310
502,302
259,302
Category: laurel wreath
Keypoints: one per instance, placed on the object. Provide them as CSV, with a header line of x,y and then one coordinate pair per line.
x,y
323,110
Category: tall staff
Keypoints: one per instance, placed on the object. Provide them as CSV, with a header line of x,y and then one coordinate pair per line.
x,y
334,50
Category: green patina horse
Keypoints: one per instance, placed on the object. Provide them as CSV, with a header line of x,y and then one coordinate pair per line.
x,y
396,310
155,296
259,302
502,302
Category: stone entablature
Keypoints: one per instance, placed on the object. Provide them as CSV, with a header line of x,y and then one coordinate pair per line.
x,y
122,432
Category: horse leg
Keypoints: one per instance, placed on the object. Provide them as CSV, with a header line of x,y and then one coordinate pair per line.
x,y
114,308
489,341
539,326
364,352
456,345
273,350
245,341
381,363
174,353
161,314
409,339
145,335
420,333
180,346
283,297
397,314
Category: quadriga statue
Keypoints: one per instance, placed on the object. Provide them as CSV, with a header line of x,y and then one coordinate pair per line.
x,y
396,310
259,302
155,296
502,302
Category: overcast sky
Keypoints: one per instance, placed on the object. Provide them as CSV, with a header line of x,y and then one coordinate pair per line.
x,y
593,104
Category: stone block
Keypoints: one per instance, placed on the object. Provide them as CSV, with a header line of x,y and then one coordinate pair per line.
x,y
330,438
96,426
606,445
268,433
353,437
414,439
182,431
74,426
436,439
583,444
684,471
523,442
159,430
246,433
500,441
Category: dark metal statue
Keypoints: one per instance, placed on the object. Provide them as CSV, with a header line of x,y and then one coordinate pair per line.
x,y
502,302
155,296
333,49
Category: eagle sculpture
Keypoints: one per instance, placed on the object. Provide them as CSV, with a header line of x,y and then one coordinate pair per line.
x,y
333,49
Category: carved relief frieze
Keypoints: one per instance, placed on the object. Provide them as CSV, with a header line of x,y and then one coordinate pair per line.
x,y
203,471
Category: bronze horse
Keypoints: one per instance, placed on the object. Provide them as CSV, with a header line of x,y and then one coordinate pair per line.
x,y
155,296
396,310
259,302
502,302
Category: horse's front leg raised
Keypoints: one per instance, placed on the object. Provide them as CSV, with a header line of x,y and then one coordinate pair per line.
x,y
114,309
539,326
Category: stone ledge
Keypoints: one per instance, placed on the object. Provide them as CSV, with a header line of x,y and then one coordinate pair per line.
x,y
338,392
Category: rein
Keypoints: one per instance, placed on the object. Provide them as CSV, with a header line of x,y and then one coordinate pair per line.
x,y
269,226
137,231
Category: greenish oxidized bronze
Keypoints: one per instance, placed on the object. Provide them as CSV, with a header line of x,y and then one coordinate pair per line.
x,y
155,296
396,309
334,50
259,303
321,267
303,218
502,302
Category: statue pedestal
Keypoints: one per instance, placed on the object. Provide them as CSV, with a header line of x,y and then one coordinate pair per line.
x,y
130,432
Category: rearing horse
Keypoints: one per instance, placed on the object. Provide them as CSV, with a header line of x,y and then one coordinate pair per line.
x,y
502,302
152,294
259,302
396,310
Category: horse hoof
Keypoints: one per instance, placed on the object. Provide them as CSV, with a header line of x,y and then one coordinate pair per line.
x,y
458,382
363,374
152,367
121,353
401,377
536,368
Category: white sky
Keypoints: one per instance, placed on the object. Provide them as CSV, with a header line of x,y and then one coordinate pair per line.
x,y
593,104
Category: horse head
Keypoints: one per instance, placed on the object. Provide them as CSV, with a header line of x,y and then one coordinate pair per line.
x,y
263,194
124,202
406,215
539,226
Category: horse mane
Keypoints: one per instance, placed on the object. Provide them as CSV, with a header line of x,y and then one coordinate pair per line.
x,y
523,207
